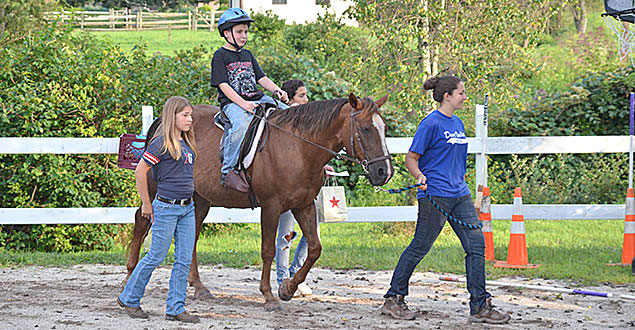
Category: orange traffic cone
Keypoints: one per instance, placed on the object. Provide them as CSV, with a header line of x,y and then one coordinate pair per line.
x,y
628,249
517,250
485,216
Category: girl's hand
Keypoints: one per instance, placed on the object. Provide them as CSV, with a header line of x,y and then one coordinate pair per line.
x,y
422,180
146,212
282,95
328,168
249,106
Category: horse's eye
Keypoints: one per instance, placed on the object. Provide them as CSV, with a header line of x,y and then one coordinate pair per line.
x,y
365,129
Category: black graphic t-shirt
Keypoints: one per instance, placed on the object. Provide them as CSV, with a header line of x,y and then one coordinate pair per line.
x,y
238,69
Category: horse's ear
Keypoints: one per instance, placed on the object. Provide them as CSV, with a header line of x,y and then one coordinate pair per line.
x,y
355,102
381,101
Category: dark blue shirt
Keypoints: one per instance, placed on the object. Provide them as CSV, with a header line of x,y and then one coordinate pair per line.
x,y
175,177
441,142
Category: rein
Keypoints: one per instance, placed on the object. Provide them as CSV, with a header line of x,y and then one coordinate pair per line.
x,y
444,212
364,163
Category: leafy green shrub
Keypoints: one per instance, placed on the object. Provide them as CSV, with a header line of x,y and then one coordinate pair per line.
x,y
68,85
595,105
559,179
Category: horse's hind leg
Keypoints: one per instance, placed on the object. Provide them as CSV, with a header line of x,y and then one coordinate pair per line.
x,y
268,225
201,208
306,220
141,226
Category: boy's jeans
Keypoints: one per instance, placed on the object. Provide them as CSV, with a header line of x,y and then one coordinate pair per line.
x,y
286,224
169,221
240,119
429,224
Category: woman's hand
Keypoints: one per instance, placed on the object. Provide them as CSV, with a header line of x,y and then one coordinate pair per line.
x,y
421,179
146,212
328,168
282,95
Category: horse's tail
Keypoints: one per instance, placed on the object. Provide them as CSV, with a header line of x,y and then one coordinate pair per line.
x,y
151,132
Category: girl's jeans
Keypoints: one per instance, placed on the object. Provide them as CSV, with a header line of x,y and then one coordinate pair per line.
x,y
429,224
286,225
170,221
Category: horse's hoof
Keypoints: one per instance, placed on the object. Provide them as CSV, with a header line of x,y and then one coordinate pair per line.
x,y
283,291
273,306
203,294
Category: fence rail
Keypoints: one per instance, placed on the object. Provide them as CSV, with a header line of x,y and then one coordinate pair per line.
x,y
118,20
495,145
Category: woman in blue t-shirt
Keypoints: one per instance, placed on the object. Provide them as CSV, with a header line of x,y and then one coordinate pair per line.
x,y
170,155
437,159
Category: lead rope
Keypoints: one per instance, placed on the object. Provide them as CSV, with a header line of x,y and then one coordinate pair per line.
x,y
444,212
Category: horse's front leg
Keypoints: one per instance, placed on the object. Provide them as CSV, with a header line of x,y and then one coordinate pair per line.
x,y
268,225
201,208
306,218
139,232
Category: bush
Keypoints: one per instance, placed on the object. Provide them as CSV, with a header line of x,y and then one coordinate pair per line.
x,y
68,85
595,105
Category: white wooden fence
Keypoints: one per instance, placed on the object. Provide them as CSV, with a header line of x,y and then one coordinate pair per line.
x,y
495,145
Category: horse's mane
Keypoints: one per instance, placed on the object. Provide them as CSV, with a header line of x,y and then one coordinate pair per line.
x,y
310,118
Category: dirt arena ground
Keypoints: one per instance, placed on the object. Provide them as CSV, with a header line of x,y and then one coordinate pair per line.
x,y
83,297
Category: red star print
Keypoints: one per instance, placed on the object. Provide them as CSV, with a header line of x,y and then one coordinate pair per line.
x,y
334,202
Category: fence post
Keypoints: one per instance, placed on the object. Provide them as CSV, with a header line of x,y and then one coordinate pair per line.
x,y
147,115
481,158
82,22
189,20
139,20
111,14
195,21
211,20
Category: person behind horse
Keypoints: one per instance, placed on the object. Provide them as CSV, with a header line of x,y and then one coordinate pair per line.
x,y
437,159
170,155
297,92
236,73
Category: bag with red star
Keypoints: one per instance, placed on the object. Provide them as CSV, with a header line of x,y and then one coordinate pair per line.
x,y
331,204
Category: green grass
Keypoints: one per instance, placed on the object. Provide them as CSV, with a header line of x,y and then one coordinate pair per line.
x,y
572,250
159,41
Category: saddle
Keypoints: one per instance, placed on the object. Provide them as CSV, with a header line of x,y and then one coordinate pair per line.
x,y
248,148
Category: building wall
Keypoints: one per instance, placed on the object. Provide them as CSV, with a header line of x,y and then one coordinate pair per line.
x,y
299,11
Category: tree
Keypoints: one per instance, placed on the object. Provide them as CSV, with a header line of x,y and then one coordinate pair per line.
x,y
485,41
19,18
579,15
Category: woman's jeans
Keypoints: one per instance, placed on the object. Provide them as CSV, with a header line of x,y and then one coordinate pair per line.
x,y
169,221
286,225
429,224
240,119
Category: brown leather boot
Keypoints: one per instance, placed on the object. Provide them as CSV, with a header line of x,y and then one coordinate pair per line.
x,y
236,181
396,307
134,312
183,317
488,314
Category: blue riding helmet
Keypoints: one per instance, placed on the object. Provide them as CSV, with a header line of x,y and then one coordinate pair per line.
x,y
231,17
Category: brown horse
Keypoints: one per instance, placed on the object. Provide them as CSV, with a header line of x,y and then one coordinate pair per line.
x,y
286,175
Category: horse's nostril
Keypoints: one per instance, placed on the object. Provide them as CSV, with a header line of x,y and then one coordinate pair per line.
x,y
381,172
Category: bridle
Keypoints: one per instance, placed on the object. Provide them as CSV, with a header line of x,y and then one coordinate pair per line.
x,y
355,136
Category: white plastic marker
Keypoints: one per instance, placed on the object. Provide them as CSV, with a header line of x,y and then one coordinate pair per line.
x,y
483,141
630,149
543,288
